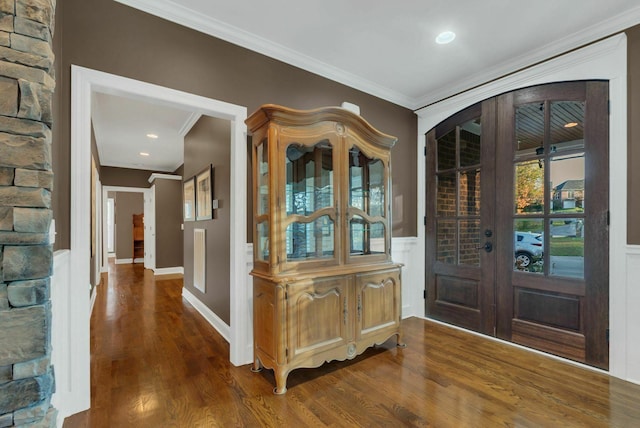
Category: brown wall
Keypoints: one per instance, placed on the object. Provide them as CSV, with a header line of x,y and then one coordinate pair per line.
x,y
127,204
108,36
209,142
168,198
125,177
633,137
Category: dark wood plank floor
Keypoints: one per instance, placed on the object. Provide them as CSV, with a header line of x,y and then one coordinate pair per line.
x,y
156,363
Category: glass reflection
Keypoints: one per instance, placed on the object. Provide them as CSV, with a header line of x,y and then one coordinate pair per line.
x,y
309,172
528,245
470,143
469,242
566,247
447,239
446,195
529,187
310,240
469,202
262,246
567,125
263,178
567,179
446,146
366,183
529,129
366,238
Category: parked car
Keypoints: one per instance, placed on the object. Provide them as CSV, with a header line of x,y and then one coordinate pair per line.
x,y
529,249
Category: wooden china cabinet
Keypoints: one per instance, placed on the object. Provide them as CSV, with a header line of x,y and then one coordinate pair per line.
x,y
324,285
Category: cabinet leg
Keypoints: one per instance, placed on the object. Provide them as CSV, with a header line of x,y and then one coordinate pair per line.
x,y
257,367
281,382
399,342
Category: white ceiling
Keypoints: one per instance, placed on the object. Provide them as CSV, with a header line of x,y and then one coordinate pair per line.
x,y
121,126
383,48
387,48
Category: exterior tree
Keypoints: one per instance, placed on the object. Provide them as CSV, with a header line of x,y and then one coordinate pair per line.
x,y
529,195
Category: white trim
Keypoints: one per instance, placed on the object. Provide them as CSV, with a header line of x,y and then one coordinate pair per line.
x,y
169,271
94,294
215,321
188,124
80,233
68,398
606,60
189,18
404,250
105,195
138,260
632,321
156,176
84,82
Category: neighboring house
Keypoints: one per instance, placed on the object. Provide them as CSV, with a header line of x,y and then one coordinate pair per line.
x,y
569,194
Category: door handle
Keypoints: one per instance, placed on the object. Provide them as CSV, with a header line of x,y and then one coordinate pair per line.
x,y
488,247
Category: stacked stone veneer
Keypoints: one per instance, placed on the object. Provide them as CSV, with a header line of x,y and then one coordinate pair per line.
x,y
26,179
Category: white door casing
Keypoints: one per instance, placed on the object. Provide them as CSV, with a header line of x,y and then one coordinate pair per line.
x,y
84,82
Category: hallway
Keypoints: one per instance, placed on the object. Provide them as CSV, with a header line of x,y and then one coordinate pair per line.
x,y
155,362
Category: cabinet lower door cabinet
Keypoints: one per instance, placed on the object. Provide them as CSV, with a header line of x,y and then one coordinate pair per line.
x,y
307,322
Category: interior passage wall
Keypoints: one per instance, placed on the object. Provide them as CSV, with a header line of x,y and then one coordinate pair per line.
x,y
168,200
107,36
209,143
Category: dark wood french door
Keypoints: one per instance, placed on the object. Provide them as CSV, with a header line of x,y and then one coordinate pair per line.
x,y
517,219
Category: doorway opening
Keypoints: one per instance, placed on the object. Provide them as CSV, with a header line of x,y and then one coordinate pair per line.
x,y
84,83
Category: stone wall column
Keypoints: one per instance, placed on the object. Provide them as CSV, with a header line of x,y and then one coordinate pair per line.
x,y
26,180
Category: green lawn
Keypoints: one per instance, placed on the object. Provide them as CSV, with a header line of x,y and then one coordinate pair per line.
x,y
567,246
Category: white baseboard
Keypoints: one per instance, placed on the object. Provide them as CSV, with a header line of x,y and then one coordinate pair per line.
x,y
215,321
129,260
94,293
169,270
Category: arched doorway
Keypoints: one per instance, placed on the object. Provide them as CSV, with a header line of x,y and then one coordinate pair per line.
x,y
517,219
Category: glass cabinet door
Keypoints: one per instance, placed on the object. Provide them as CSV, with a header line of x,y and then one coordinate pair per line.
x,y
366,211
261,239
309,201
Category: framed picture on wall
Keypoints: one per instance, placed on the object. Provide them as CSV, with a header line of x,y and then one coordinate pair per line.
x,y
204,194
189,199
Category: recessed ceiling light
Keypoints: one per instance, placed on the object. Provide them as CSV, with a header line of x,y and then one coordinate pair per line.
x,y
570,124
152,136
144,154
445,37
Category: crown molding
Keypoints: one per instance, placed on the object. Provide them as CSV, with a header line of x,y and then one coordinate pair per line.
x,y
181,15
188,124
156,176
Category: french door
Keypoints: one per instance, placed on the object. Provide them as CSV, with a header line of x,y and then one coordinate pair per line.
x,y
517,219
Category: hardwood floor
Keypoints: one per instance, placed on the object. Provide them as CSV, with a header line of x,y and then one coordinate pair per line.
x,y
155,362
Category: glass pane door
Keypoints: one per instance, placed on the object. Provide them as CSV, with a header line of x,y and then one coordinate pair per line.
x,y
309,201
367,220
